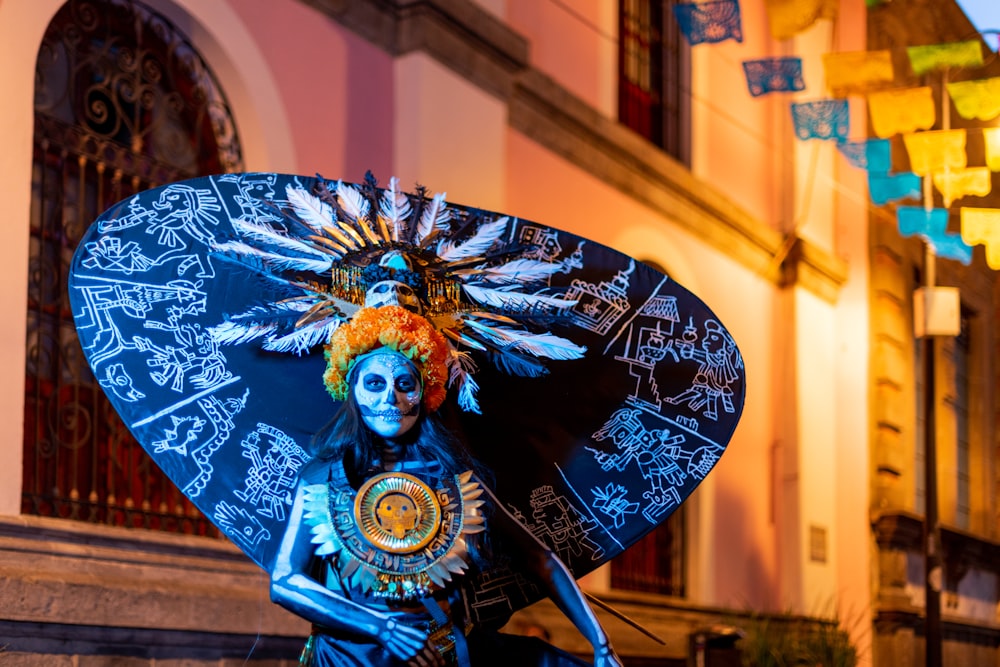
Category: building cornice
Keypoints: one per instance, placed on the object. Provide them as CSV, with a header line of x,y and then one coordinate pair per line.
x,y
479,47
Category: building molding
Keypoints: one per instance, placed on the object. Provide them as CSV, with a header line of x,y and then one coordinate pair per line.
x,y
477,46
105,590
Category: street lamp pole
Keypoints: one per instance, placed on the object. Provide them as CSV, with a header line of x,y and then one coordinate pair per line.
x,y
932,531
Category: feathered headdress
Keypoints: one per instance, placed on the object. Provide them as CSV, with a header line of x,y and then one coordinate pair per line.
x,y
336,248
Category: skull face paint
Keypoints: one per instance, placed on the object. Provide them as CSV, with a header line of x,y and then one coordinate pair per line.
x,y
388,390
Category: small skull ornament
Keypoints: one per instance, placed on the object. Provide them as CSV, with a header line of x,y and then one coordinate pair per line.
x,y
393,293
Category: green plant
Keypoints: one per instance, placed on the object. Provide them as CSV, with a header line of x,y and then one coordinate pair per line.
x,y
788,640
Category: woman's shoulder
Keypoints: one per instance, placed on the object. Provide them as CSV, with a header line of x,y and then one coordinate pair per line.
x,y
315,471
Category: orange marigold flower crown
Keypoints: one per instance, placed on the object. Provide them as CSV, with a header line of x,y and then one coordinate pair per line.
x,y
398,329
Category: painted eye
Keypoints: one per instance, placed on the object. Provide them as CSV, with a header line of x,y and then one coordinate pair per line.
x,y
406,383
374,383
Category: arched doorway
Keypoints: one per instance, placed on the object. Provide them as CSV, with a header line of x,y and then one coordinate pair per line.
x,y
123,103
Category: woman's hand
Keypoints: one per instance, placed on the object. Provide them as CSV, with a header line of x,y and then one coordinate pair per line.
x,y
605,656
408,643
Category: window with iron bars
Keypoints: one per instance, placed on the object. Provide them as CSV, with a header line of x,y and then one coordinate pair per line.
x,y
123,103
654,76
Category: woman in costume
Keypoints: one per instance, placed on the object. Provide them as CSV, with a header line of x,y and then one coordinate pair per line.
x,y
392,523
390,515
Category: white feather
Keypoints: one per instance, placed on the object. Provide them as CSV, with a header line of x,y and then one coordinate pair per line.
x,y
303,339
394,208
311,209
435,215
233,333
546,344
501,298
467,389
276,260
265,234
476,245
518,271
351,200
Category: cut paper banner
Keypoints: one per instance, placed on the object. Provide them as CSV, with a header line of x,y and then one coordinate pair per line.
x,y
885,188
790,17
991,137
932,226
982,226
957,184
773,75
941,150
976,100
900,111
857,71
711,22
951,246
822,119
873,155
924,59
917,220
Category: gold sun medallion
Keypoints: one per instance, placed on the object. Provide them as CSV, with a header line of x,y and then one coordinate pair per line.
x,y
397,512
398,537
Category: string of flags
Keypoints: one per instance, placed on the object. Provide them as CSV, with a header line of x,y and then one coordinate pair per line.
x,y
936,155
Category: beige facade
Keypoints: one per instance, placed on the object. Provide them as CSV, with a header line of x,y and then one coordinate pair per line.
x,y
510,105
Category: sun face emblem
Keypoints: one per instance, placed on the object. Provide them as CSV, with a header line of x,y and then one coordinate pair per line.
x,y
397,514
408,537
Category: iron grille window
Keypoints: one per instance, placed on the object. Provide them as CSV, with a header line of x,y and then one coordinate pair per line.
x,y
122,103
654,564
653,75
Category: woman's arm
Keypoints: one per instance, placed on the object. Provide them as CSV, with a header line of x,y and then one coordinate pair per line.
x,y
294,589
558,580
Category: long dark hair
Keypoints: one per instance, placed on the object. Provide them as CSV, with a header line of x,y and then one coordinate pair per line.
x,y
348,438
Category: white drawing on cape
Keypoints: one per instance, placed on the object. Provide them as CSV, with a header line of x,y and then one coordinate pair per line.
x,y
273,472
718,362
219,414
649,338
544,246
181,213
255,199
107,301
183,430
659,456
557,523
118,382
494,589
612,501
545,242
240,525
196,360
599,306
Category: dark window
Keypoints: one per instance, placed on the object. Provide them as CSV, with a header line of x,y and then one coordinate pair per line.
x,y
653,75
654,564
122,103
